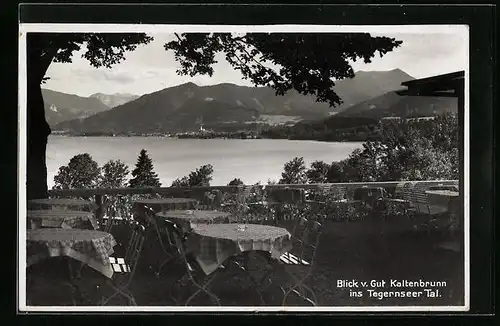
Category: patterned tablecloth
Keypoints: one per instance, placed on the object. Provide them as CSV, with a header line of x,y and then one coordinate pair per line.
x,y
88,246
213,244
187,218
61,203
60,218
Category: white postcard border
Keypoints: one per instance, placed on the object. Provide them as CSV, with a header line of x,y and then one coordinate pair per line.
x,y
157,29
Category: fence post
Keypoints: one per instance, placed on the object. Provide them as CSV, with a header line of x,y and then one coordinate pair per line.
x,y
100,211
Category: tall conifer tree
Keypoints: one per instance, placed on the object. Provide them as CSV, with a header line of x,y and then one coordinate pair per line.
x,y
143,174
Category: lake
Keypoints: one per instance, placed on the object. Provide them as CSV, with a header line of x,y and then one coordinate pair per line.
x,y
251,160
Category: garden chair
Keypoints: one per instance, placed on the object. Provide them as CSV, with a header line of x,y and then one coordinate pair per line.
x,y
424,215
419,199
112,212
124,268
164,237
193,273
305,239
297,265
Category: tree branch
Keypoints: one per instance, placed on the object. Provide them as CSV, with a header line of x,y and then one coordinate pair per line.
x,y
239,39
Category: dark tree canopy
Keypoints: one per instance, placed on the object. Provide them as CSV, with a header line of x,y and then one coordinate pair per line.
x,y
307,62
201,177
294,172
143,175
114,174
318,172
236,182
81,172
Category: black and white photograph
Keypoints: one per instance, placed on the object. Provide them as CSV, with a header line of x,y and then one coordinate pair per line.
x,y
243,168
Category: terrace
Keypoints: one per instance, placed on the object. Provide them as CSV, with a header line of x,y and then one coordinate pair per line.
x,y
370,231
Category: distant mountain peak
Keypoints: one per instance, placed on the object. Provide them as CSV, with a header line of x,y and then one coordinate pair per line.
x,y
114,94
113,100
188,84
176,108
395,70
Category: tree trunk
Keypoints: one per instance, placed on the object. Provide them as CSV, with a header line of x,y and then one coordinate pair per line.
x,y
38,128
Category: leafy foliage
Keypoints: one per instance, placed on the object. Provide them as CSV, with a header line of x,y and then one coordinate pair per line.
x,y
308,63
101,49
181,182
318,173
336,173
404,151
331,129
143,174
235,182
114,174
294,172
81,172
201,177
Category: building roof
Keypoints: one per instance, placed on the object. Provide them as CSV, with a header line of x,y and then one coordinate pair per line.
x,y
447,85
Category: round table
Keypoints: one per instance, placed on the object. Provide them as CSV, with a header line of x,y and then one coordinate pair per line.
x,y
60,218
186,218
90,247
63,203
213,244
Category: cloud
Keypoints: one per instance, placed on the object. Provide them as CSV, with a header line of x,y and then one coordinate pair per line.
x,y
95,75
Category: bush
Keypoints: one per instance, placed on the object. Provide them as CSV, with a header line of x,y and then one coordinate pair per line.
x,y
201,177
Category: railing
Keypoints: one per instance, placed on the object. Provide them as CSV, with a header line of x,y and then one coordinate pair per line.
x,y
171,191
338,199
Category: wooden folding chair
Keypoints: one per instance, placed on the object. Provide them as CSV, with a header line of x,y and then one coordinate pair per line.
x,y
305,239
125,267
193,273
164,237
423,215
298,264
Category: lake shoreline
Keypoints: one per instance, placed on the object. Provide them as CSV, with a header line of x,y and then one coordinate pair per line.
x,y
205,138
251,160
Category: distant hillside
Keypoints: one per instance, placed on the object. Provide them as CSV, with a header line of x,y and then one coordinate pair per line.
x,y
188,117
394,105
61,106
370,84
112,100
187,106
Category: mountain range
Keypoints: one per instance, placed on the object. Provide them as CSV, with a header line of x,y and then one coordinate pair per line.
x,y
61,106
185,107
112,100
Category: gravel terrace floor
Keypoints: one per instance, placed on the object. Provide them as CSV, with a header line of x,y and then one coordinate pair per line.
x,y
360,251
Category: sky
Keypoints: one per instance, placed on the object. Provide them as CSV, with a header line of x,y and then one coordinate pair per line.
x,y
150,68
